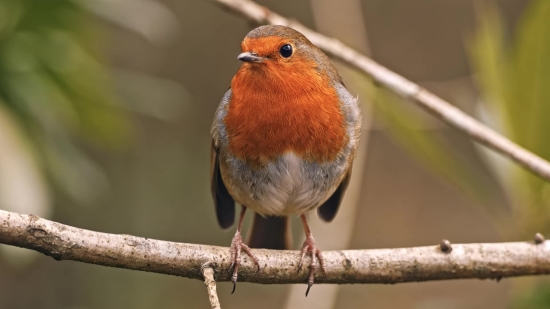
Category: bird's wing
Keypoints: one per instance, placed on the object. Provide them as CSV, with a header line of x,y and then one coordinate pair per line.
x,y
224,203
328,210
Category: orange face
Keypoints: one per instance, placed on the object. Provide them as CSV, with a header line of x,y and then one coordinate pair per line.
x,y
265,46
282,104
297,67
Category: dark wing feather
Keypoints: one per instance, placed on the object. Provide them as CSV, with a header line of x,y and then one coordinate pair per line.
x,y
225,205
328,210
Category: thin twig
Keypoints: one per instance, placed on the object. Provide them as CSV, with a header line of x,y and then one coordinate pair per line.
x,y
400,85
210,283
63,242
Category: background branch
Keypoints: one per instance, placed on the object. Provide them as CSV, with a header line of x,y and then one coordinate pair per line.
x,y
63,242
401,86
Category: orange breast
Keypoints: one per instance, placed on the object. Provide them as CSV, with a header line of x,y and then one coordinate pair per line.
x,y
274,110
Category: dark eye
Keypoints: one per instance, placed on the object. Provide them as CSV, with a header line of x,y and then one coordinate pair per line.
x,y
286,50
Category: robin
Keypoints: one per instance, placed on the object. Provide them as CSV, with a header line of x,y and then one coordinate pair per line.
x,y
283,141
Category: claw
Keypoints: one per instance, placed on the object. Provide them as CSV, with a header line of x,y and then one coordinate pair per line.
x,y
237,246
309,285
310,248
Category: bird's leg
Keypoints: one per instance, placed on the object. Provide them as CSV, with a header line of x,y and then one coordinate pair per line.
x,y
237,245
310,247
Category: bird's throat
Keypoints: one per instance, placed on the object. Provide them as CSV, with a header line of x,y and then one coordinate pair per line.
x,y
274,116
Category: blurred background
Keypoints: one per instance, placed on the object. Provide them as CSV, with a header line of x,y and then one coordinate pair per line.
x,y
105,112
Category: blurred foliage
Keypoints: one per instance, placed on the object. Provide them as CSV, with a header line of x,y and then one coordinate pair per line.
x,y
513,76
409,129
56,90
430,149
537,298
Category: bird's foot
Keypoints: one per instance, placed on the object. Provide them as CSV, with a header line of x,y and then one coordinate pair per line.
x,y
310,247
237,245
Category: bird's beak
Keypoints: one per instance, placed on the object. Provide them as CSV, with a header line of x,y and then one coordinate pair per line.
x,y
250,57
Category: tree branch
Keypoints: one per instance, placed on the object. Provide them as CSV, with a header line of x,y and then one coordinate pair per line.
x,y
210,283
401,86
63,242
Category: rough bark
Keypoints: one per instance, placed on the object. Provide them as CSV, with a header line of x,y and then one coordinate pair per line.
x,y
210,283
63,242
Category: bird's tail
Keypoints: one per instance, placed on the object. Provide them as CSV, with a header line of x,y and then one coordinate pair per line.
x,y
270,232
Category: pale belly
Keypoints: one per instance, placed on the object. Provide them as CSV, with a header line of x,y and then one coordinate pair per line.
x,y
286,186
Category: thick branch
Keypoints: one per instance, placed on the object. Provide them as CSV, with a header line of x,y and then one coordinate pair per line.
x,y
400,85
63,242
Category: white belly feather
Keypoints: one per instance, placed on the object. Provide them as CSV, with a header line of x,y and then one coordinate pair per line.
x,y
286,186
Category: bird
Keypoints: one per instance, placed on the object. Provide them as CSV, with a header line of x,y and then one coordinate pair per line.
x,y
284,137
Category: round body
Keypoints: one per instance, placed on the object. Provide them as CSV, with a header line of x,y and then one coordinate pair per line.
x,y
286,132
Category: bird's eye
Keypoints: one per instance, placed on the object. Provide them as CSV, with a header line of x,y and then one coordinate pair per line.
x,y
286,50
